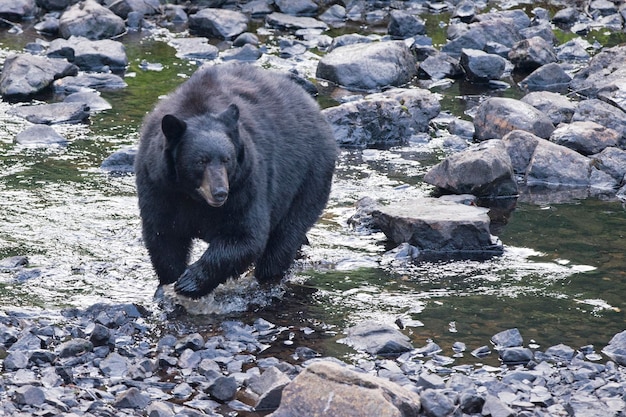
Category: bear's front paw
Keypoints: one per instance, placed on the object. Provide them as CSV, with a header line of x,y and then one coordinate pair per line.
x,y
194,283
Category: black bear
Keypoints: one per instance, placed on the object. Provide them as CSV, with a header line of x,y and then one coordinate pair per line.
x,y
241,158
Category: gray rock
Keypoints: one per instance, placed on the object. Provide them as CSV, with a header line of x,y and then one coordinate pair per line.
x,y
17,10
385,118
368,66
223,388
616,349
51,5
574,50
436,404
160,409
495,408
348,39
557,106
516,355
257,8
24,75
403,25
40,135
132,398
507,338
490,167
498,116
91,99
89,55
440,229
521,146
121,161
123,8
500,29
462,128
325,388
246,53
176,14
377,339
114,365
246,38
29,395
14,361
268,387
612,161
603,113
89,81
465,11
566,16
550,77
335,14
605,72
90,20
194,48
439,66
560,353
54,113
297,7
48,25
74,347
530,54
220,23
481,66
585,137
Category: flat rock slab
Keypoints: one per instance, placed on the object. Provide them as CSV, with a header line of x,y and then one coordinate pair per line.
x,y
377,339
438,228
329,389
26,74
54,113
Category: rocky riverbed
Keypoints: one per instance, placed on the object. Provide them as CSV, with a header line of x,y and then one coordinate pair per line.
x,y
566,138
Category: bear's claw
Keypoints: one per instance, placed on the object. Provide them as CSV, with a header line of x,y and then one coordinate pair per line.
x,y
192,283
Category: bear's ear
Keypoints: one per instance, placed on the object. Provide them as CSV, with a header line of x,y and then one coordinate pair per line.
x,y
173,128
230,116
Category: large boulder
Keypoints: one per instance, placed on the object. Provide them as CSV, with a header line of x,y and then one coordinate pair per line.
x,y
438,229
603,113
54,113
604,76
549,77
481,66
122,8
530,54
368,66
557,106
90,20
484,170
219,23
613,162
498,116
501,30
288,22
385,119
24,75
325,388
377,339
17,10
585,137
99,56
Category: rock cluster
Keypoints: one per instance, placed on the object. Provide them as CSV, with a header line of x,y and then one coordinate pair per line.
x,y
118,360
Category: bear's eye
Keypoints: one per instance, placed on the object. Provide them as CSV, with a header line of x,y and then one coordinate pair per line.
x,y
225,159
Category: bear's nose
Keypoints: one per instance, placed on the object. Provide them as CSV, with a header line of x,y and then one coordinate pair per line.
x,y
220,194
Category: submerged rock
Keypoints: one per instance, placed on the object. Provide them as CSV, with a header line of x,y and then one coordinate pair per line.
x,y
40,135
54,113
377,339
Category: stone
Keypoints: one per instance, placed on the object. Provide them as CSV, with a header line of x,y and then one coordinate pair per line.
x,y
465,11
18,10
121,161
606,70
507,338
54,113
160,409
585,137
194,48
612,161
223,388
123,8
502,30
89,55
297,7
557,106
498,116
383,119
530,54
114,365
132,398
24,75
91,81
90,20
565,16
436,404
328,389
29,395
574,50
246,53
439,229
268,387
495,408
595,110
91,99
376,339
616,349
403,25
439,66
480,66
40,135
287,22
490,167
348,39
516,355
368,67
14,361
74,347
335,14
561,353
220,23
550,77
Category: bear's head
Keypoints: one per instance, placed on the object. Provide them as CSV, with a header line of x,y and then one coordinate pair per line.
x,y
203,153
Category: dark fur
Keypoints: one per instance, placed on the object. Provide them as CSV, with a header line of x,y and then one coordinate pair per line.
x,y
273,149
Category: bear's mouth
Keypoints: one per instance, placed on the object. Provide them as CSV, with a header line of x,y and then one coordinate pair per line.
x,y
214,187
212,198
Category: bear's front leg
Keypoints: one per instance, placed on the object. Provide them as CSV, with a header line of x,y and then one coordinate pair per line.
x,y
227,256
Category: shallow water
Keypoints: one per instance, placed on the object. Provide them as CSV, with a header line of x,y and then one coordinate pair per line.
x,y
561,278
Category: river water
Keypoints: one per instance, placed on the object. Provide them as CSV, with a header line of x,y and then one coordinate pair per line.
x,y
561,278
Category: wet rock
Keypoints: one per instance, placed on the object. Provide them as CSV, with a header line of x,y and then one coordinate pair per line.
x,y
383,118
121,161
24,75
501,30
74,347
507,338
585,137
89,81
194,48
465,11
13,262
18,10
287,22
377,339
439,66
612,161
219,23
440,229
246,53
598,111
90,20
91,99
516,355
123,8
348,39
403,25
574,50
498,116
98,56
605,72
297,7
335,14
223,388
566,16
268,388
495,408
530,54
132,398
490,167
40,135
325,388
436,404
616,349
550,77
557,106
481,66
54,113
29,395
368,66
